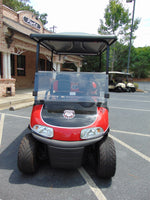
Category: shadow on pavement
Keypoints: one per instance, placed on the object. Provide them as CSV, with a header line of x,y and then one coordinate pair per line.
x,y
45,176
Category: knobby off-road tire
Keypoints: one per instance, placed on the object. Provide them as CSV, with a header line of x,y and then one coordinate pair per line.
x,y
27,155
106,165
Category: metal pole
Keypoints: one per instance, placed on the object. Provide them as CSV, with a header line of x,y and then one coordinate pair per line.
x,y
107,59
131,37
107,71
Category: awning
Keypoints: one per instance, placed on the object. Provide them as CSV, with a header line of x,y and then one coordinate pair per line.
x,y
75,43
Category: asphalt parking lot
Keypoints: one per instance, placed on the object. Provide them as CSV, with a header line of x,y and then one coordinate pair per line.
x,y
129,115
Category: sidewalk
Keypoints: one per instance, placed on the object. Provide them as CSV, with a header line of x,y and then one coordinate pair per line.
x,y
23,98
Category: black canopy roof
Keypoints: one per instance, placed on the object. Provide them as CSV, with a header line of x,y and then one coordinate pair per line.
x,y
75,43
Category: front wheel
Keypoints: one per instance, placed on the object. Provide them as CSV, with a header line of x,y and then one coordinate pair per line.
x,y
133,89
106,165
118,89
27,155
128,89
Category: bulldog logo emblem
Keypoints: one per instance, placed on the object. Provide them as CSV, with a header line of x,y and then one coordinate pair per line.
x,y
69,114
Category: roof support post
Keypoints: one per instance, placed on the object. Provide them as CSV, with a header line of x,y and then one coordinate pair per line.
x,y
37,56
52,60
107,59
100,62
107,70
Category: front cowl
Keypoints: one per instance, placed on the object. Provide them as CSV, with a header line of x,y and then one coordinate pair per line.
x,y
69,114
41,113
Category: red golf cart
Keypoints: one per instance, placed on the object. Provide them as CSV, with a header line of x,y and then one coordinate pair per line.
x,y
69,118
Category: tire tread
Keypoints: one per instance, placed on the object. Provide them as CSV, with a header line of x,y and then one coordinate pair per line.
x,y
27,159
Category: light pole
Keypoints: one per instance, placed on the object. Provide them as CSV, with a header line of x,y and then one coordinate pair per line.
x,y
128,1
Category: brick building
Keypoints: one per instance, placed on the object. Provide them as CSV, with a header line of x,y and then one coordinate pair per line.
x,y
18,51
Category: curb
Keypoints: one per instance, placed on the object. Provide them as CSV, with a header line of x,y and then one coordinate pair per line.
x,y
139,90
17,104
21,105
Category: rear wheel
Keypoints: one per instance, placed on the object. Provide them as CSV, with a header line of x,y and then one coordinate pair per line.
x,y
118,89
106,165
133,89
27,155
128,89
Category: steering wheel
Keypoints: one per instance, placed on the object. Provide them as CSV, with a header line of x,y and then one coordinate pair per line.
x,y
88,103
46,93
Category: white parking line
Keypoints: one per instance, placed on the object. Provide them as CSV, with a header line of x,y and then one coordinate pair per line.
x,y
2,122
131,148
142,101
130,133
11,115
135,109
1,126
98,193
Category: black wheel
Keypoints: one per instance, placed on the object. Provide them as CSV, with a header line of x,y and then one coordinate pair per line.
x,y
128,89
106,165
133,89
118,89
27,155
87,104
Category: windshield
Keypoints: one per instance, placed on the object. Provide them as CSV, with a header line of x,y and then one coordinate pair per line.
x,y
71,86
119,77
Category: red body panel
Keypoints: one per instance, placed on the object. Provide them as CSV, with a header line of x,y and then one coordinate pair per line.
x,y
69,134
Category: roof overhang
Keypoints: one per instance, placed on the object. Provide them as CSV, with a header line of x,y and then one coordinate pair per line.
x,y
119,73
75,43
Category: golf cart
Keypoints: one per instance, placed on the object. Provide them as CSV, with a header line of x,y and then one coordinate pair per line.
x,y
130,85
120,82
69,118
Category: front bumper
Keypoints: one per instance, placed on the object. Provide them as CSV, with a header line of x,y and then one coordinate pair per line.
x,y
67,154
68,144
66,158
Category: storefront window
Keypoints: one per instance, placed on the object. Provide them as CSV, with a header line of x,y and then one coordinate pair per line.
x,y
42,65
49,66
21,65
12,65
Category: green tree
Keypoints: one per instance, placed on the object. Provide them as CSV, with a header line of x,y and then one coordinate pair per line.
x,y
92,64
121,58
17,5
121,55
141,65
139,60
117,20
43,18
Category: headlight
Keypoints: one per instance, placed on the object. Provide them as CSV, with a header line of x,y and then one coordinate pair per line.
x,y
43,131
91,133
